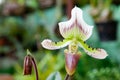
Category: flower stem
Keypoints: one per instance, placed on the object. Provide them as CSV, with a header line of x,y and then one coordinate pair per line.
x,y
35,68
68,77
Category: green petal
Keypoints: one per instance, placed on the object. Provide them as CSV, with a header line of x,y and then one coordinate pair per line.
x,y
93,52
48,44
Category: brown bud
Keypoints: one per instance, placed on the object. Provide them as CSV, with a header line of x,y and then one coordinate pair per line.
x,y
27,65
71,61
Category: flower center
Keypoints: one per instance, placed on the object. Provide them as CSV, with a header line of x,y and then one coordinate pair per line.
x,y
73,47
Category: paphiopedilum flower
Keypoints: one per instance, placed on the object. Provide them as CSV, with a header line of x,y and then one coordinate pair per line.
x,y
75,32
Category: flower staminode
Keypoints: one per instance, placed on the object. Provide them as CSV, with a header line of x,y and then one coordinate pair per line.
x,y
75,32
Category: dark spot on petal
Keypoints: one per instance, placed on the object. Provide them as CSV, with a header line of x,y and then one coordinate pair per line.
x,y
93,48
88,46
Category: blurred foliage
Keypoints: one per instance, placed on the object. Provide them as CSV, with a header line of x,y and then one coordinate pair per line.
x,y
46,64
101,10
54,76
104,74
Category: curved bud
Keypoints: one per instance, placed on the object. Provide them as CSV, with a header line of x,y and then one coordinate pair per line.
x,y
71,61
27,65
29,62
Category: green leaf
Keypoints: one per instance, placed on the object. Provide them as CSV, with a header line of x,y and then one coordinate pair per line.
x,y
54,76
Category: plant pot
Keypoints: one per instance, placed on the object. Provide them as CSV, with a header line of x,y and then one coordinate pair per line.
x,y
107,30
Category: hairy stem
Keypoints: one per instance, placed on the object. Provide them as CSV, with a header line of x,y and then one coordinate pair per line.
x,y
68,77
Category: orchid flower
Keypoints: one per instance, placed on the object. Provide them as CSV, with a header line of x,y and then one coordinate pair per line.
x,y
75,32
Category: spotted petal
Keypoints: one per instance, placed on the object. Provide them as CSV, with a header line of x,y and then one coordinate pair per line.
x,y
93,52
76,27
48,44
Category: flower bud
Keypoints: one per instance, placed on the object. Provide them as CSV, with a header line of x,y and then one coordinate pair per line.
x,y
71,61
27,65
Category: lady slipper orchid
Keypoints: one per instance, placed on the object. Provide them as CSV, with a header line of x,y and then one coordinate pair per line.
x,y
71,61
75,32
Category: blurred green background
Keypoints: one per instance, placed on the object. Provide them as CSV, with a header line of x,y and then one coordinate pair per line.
x,y
24,24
